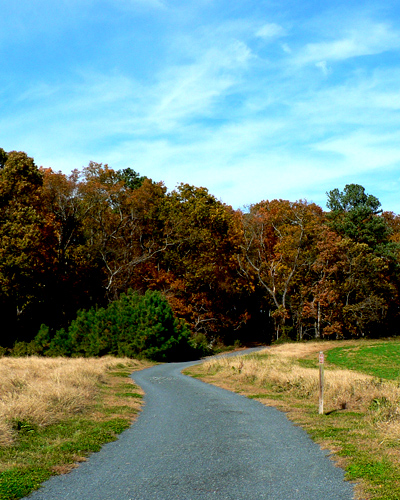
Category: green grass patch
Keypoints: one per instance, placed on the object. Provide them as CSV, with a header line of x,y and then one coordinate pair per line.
x,y
17,482
193,376
129,395
124,373
265,396
56,446
377,471
382,360
308,363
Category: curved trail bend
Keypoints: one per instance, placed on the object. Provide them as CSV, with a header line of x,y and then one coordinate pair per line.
x,y
194,441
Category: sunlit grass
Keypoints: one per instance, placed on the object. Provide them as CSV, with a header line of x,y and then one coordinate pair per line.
x,y
55,411
380,359
361,423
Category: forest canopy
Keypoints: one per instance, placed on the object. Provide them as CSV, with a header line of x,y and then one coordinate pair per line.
x,y
81,242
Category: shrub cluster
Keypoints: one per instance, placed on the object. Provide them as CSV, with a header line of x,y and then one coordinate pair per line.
x,y
140,326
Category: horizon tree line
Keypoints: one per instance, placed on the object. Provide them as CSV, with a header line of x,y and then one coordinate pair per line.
x,y
279,269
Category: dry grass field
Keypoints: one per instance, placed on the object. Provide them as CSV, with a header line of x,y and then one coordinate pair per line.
x,y
361,420
279,367
56,411
41,391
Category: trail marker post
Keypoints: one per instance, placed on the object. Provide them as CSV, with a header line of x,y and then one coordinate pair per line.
x,y
321,382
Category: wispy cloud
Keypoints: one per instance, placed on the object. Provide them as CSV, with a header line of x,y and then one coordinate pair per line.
x,y
323,67
251,104
191,90
270,30
368,39
364,150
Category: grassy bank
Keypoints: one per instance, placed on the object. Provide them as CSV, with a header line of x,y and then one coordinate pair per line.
x,y
55,411
361,420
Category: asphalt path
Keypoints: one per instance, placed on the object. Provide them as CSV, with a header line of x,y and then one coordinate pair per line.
x,y
196,441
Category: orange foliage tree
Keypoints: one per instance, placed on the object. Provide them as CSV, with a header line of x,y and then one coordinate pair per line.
x,y
278,237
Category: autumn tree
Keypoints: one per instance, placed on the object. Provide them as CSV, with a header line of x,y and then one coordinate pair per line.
x,y
122,225
25,235
352,287
277,236
61,197
66,239
198,271
393,221
75,281
357,217
77,241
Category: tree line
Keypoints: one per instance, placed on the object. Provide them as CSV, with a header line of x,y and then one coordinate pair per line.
x,y
278,269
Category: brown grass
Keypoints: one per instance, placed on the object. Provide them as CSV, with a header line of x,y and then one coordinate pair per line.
x,y
362,414
41,391
279,368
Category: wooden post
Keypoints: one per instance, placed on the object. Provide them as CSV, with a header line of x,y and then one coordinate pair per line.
x,y
321,383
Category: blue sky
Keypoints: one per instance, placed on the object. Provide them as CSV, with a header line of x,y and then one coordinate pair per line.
x,y
254,100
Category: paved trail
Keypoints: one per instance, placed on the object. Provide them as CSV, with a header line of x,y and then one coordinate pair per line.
x,y
194,441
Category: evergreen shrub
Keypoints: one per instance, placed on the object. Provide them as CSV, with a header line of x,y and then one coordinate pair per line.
x,y
140,326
